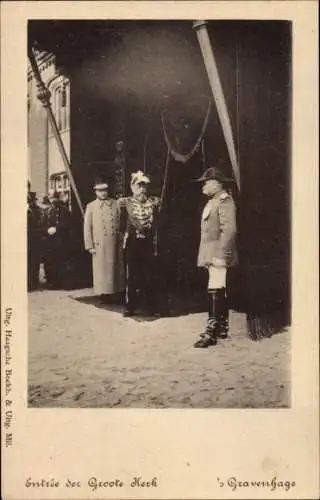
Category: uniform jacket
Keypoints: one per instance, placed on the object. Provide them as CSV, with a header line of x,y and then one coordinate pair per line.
x,y
138,218
57,216
218,231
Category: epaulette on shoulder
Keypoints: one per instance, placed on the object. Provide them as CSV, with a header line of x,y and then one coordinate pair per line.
x,y
122,201
224,196
155,200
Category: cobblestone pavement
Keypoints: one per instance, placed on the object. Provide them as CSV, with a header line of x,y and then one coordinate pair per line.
x,y
81,355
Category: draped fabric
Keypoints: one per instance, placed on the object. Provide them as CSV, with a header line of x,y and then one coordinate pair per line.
x,y
179,156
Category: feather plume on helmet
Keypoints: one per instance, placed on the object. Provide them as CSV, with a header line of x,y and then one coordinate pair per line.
x,y
138,177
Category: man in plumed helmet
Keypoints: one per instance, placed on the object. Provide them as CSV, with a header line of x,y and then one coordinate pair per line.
x,y
138,224
217,252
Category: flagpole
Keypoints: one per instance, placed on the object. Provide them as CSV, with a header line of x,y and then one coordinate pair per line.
x,y
217,91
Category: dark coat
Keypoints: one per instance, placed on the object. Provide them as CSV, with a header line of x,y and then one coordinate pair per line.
x,y
35,227
59,217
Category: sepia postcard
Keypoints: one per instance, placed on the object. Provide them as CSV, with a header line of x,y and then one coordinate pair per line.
x,y
159,250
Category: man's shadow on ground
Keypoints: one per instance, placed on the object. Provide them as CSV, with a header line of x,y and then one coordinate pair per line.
x,y
177,304
168,306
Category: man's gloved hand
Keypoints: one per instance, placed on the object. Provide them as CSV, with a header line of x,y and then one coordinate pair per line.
x,y
125,238
52,230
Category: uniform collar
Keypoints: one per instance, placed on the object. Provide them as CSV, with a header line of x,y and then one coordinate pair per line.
x,y
139,200
218,194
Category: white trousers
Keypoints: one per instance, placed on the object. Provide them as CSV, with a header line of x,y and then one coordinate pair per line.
x,y
217,277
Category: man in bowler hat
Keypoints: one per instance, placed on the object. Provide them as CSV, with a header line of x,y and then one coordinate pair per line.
x,y
102,241
217,252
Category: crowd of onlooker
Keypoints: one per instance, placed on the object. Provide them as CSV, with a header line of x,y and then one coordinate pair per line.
x,y
48,227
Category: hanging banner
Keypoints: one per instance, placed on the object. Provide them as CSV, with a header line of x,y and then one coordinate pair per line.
x,y
184,125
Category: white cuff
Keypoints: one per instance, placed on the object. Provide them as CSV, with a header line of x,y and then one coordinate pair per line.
x,y
218,262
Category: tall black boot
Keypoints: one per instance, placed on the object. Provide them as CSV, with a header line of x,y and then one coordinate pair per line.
x,y
209,337
222,314
211,312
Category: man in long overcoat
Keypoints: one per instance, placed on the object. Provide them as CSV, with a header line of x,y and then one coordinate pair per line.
x,y
217,252
102,240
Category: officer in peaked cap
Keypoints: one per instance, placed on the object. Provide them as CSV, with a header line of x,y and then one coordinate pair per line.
x,y
217,251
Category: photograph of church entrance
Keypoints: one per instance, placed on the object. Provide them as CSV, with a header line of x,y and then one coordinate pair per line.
x,y
170,99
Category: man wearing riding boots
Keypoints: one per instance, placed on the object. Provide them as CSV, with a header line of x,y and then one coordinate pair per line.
x,y
217,252
138,224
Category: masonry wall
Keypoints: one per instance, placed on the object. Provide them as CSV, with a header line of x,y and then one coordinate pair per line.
x,y
44,158
38,146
